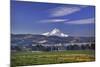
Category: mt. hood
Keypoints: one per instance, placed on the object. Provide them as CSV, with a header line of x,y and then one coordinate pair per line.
x,y
55,32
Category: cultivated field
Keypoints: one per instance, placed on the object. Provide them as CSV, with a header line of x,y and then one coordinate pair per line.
x,y
54,57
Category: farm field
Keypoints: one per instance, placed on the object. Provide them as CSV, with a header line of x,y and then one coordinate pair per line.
x,y
53,57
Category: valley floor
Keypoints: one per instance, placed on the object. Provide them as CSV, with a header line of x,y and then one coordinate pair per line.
x,y
53,57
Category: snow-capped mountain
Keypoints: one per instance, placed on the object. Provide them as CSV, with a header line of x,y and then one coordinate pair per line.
x,y
55,32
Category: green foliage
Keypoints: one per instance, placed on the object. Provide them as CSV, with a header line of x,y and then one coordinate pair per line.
x,y
37,58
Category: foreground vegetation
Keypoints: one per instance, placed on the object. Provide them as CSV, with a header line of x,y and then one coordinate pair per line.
x,y
37,58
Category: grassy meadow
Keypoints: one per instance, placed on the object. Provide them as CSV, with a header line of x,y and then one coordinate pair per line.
x,y
53,57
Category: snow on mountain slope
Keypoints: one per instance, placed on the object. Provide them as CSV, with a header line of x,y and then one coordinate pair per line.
x,y
55,32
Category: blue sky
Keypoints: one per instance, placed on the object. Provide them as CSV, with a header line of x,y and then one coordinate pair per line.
x,y
38,18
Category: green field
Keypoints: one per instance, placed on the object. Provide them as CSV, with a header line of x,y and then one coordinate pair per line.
x,y
53,57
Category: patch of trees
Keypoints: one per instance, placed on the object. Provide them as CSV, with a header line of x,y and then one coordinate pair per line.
x,y
93,46
81,47
40,47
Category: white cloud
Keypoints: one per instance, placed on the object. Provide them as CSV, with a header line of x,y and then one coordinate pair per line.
x,y
53,20
82,21
62,11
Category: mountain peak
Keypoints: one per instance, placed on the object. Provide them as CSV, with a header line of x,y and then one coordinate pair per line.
x,y
55,32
